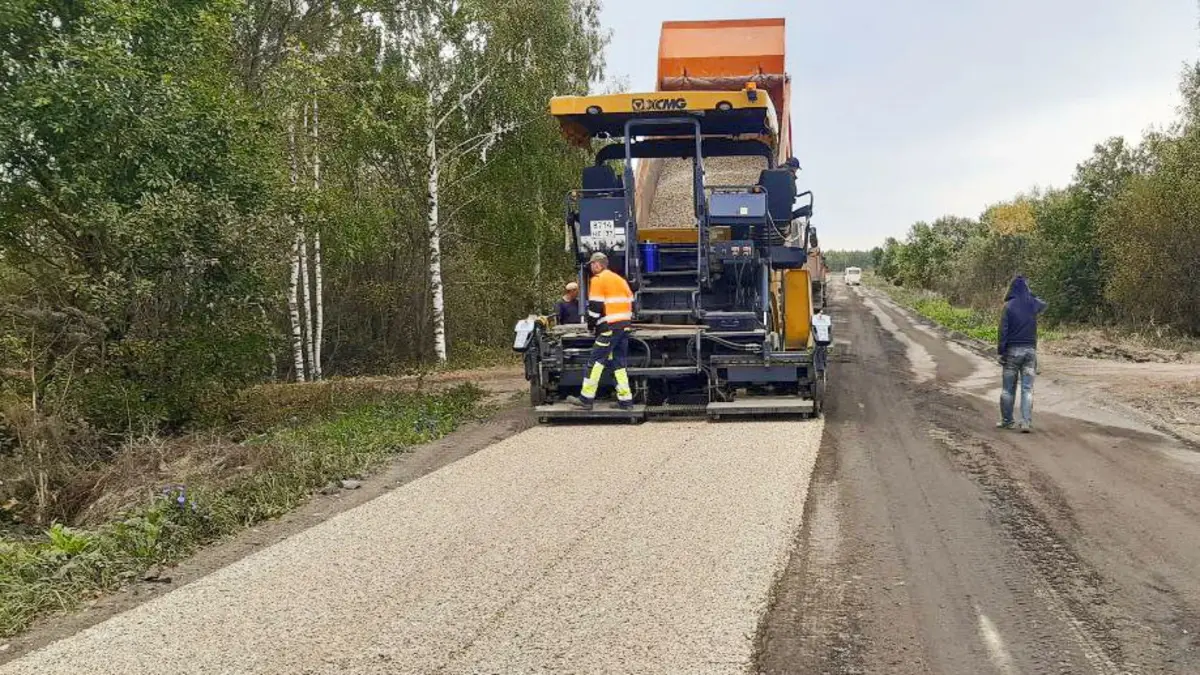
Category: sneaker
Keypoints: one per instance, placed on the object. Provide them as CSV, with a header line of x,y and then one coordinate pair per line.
x,y
584,403
1026,428
1004,425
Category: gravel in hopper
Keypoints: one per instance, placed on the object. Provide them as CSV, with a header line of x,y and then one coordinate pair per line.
x,y
613,549
672,204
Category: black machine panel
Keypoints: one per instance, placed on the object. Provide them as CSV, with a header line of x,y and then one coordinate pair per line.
x,y
732,321
734,251
781,193
735,207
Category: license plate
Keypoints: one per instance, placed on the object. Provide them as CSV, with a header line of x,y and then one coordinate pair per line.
x,y
603,228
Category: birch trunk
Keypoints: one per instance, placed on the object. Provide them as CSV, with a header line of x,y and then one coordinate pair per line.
x,y
319,276
435,236
306,288
306,285
293,305
537,246
294,311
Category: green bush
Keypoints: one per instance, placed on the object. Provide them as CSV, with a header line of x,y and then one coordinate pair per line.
x,y
974,323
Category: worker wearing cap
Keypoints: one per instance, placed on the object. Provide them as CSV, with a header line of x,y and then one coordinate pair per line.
x,y
793,166
567,310
609,314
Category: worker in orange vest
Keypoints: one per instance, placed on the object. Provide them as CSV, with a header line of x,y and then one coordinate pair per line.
x,y
609,314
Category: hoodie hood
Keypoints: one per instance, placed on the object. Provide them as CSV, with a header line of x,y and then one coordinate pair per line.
x,y
1018,290
1018,325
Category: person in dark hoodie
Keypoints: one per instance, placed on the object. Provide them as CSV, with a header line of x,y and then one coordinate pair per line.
x,y
1018,351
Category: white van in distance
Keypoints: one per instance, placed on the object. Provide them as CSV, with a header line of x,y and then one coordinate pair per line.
x,y
853,276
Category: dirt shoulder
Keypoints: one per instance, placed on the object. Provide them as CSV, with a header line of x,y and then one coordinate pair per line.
x,y
1161,387
1110,346
1155,377
1167,395
512,418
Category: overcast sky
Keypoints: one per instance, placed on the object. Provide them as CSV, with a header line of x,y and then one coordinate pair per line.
x,y
908,111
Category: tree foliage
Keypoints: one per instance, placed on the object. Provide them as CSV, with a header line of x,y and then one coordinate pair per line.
x,y
146,211
838,261
136,203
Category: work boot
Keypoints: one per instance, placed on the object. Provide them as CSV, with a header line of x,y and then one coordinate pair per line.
x,y
625,405
584,403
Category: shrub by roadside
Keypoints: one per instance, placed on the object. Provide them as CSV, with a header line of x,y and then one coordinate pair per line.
x,y
1152,344
983,326
277,470
980,325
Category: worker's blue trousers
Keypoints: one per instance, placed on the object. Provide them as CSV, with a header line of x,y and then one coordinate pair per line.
x,y
611,349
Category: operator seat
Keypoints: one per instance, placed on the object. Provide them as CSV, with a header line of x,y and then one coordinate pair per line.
x,y
781,193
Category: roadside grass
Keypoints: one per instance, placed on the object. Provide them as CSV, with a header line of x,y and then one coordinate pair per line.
x,y
263,476
974,323
978,324
1114,341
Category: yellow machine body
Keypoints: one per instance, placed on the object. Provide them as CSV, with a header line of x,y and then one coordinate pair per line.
x,y
795,289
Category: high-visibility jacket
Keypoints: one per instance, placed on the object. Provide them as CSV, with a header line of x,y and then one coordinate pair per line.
x,y
610,300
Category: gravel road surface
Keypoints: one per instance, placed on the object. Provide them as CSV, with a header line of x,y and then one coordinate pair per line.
x,y
648,548
936,543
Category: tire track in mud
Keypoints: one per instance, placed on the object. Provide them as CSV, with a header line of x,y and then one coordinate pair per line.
x,y
1118,495
1069,587
922,552
819,630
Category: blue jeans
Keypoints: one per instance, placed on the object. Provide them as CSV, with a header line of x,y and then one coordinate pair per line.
x,y
821,356
1022,361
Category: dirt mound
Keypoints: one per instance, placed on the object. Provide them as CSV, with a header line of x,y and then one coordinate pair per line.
x,y
1099,346
1177,405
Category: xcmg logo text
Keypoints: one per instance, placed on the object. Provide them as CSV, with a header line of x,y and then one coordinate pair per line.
x,y
660,104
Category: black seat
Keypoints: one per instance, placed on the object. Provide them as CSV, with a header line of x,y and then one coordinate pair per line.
x,y
601,177
781,193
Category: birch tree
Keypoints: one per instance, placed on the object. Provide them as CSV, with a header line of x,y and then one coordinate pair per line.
x,y
306,273
294,282
317,270
437,46
477,64
298,84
